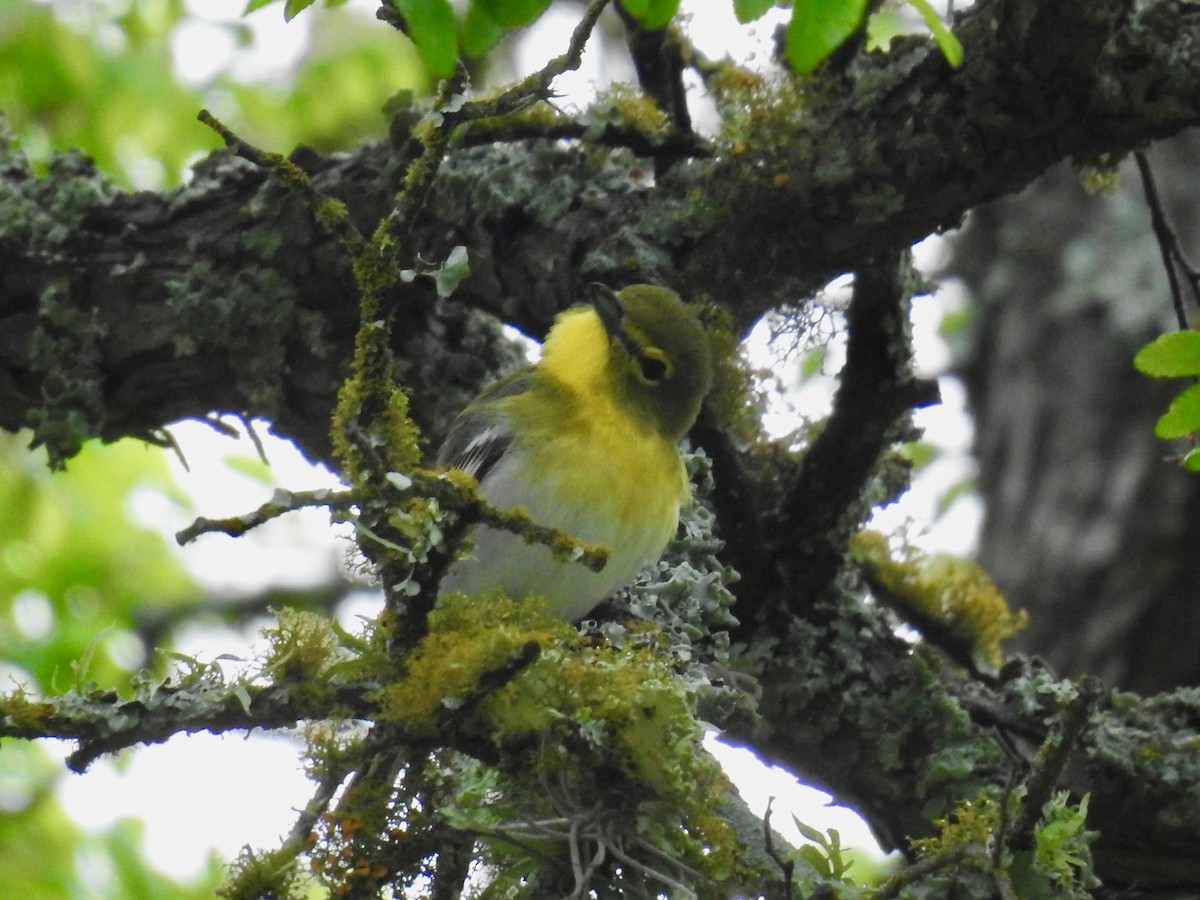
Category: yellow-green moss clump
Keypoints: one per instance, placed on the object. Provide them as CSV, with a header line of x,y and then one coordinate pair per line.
x,y
300,646
584,725
623,104
952,596
732,399
467,638
372,405
276,874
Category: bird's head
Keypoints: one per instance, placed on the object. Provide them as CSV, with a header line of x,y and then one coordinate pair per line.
x,y
659,354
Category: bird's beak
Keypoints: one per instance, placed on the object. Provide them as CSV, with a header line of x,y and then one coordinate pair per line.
x,y
611,311
608,307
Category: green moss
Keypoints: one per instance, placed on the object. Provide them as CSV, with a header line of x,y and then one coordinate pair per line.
x,y
1059,865
625,105
468,636
971,822
583,727
66,350
956,594
301,646
733,398
1149,745
371,408
23,714
274,875
251,317
42,214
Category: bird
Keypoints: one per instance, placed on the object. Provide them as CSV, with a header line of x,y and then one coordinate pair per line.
x,y
586,441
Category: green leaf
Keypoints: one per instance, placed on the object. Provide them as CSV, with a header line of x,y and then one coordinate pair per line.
x,y
1182,416
293,8
252,467
812,363
819,27
510,13
1191,462
456,267
808,832
949,497
256,4
882,28
815,858
1174,355
479,32
652,14
946,41
432,28
749,10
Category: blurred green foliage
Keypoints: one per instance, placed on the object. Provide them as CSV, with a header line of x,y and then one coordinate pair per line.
x,y
76,571
45,856
106,77
75,567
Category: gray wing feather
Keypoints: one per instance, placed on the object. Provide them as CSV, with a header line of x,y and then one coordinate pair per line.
x,y
482,433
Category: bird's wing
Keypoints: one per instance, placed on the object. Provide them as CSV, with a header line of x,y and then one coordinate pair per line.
x,y
481,434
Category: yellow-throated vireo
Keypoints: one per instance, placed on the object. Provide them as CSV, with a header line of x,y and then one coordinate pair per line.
x,y
586,441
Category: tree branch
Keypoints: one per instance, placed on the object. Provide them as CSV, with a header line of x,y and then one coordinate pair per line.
x,y
96,287
102,722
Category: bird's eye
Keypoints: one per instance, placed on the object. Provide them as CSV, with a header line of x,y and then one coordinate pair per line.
x,y
654,365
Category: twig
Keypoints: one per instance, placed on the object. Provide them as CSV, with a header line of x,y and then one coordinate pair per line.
x,y
786,866
103,722
300,837
536,86
449,112
329,213
465,500
1051,759
1168,243
252,433
925,866
877,390
670,145
677,888
282,502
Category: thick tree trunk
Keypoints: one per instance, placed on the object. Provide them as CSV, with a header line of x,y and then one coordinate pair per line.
x,y
1089,524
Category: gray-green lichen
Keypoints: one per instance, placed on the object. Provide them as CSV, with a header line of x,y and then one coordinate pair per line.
x,y
251,317
541,183
1151,744
41,214
842,702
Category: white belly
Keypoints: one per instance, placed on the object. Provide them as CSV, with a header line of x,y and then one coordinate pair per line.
x,y
633,518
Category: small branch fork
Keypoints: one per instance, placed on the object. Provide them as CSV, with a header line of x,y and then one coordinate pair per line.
x,y
877,390
1173,256
1051,760
104,723
334,220
1018,834
449,111
450,493
594,838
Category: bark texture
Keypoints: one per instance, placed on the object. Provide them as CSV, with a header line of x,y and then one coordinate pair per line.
x,y
1089,523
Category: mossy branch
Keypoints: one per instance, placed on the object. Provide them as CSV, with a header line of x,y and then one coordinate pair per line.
x,y
281,502
1051,760
103,722
330,213
451,490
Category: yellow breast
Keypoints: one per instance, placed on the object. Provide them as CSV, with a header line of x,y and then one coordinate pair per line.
x,y
584,466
